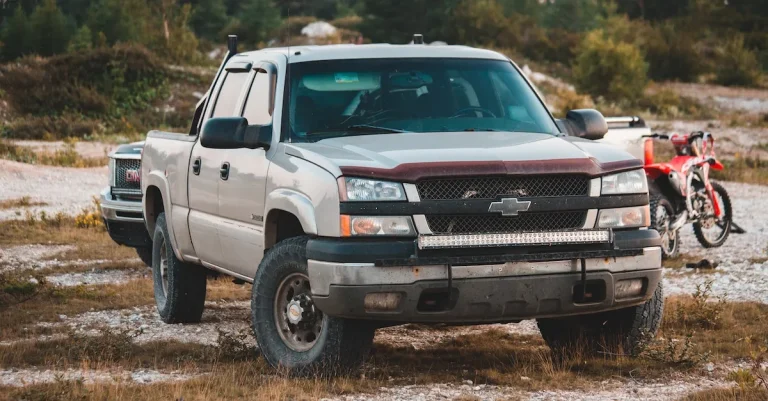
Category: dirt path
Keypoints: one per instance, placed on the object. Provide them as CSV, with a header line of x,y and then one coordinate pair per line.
x,y
66,190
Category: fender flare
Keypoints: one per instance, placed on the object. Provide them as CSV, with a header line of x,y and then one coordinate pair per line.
x,y
293,202
157,179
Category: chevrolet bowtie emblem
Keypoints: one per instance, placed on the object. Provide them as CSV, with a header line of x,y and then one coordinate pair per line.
x,y
509,206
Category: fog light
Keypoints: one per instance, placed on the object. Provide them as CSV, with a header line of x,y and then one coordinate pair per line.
x,y
629,288
382,301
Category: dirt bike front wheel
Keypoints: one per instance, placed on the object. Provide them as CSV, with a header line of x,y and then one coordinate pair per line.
x,y
714,234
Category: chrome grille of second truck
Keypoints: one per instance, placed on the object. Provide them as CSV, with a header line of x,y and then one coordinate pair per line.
x,y
127,175
493,187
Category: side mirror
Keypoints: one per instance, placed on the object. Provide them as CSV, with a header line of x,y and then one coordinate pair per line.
x,y
235,133
585,123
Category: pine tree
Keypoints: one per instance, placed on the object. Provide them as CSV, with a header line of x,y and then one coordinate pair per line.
x,y
82,40
257,20
15,36
208,19
50,30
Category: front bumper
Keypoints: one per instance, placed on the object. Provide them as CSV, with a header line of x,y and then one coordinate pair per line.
x,y
472,288
124,220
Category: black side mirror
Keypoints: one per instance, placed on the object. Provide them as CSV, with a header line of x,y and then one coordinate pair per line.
x,y
584,123
235,133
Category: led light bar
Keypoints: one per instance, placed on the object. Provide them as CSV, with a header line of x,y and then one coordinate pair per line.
x,y
514,239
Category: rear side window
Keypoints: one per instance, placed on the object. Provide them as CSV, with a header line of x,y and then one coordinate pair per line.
x,y
258,104
229,94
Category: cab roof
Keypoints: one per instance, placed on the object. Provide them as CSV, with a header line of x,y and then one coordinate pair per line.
x,y
299,54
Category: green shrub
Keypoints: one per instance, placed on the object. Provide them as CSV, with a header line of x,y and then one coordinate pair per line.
x,y
672,54
613,70
737,65
106,81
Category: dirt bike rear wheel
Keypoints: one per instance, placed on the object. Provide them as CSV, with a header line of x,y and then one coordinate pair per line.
x,y
662,215
724,223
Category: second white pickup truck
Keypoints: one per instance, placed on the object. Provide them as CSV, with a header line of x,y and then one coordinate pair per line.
x,y
363,186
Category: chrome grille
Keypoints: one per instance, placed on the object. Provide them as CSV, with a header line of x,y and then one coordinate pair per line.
x,y
122,166
493,187
484,224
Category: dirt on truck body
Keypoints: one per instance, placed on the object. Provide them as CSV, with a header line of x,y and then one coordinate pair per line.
x,y
363,186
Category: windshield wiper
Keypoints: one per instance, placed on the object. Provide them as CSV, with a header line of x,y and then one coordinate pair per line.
x,y
364,128
480,129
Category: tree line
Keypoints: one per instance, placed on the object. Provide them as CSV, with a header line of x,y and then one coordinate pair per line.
x,y
681,40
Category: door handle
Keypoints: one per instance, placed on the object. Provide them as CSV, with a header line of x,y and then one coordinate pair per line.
x,y
224,172
196,166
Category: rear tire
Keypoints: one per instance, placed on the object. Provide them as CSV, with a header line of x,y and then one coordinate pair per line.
x,y
335,347
662,215
726,220
145,254
179,286
629,328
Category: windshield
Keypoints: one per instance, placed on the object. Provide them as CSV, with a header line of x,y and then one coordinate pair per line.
x,y
354,97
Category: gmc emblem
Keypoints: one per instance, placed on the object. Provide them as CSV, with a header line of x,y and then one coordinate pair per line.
x,y
132,176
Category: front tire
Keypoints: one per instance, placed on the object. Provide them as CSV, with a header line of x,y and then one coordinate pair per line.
x,y
179,286
291,332
705,237
629,328
662,215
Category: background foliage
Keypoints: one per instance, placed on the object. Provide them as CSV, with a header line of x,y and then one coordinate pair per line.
x,y
611,49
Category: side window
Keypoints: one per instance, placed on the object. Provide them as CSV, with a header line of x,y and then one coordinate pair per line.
x,y
258,105
229,94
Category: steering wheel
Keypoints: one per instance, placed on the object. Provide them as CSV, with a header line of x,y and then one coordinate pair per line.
x,y
472,109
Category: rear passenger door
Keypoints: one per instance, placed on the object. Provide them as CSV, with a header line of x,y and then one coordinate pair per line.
x,y
242,195
205,168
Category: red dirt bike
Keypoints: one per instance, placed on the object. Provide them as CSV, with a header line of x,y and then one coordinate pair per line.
x,y
681,192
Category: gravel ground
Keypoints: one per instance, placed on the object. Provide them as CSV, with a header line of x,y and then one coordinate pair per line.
x,y
63,189
742,271
96,277
25,257
729,141
26,377
608,390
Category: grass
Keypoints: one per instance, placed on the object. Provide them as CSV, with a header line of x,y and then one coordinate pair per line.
x,y
24,201
67,157
91,242
729,394
743,169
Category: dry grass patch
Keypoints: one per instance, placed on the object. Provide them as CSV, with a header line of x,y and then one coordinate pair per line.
x,y
67,157
224,382
24,201
727,330
91,242
743,169
729,394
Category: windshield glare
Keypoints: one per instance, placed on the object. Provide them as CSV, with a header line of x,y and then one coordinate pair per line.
x,y
353,97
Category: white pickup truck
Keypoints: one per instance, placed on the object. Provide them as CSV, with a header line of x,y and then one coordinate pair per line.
x,y
363,186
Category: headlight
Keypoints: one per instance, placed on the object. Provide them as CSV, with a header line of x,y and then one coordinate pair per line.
x,y
630,182
626,217
398,226
362,189
111,172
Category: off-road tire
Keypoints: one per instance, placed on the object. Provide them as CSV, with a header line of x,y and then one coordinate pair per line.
x,y
628,328
145,254
657,201
342,344
185,297
697,229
